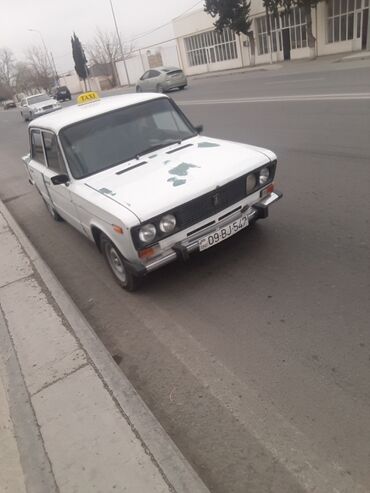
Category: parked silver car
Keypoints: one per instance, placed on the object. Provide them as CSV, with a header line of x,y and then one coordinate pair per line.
x,y
161,79
37,105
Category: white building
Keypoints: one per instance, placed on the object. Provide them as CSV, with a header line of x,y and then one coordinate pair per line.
x,y
338,26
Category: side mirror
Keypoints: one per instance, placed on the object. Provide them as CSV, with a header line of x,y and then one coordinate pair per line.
x,y
199,129
60,179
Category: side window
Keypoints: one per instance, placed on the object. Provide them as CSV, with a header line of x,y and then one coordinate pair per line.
x,y
146,75
153,73
37,152
53,154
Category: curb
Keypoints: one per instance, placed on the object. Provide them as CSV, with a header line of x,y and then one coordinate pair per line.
x,y
224,73
172,464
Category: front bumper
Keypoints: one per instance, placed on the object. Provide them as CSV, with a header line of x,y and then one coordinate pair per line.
x,y
183,249
44,112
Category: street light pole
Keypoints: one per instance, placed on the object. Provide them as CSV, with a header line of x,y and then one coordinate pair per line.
x,y
45,49
120,42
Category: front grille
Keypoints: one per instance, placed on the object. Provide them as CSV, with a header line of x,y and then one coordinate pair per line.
x,y
209,204
47,107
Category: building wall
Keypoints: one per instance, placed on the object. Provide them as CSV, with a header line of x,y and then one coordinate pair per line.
x,y
199,22
138,63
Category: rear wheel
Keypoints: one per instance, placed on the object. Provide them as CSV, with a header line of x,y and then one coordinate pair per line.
x,y
182,88
118,266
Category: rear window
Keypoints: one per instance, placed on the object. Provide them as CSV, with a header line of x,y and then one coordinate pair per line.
x,y
172,72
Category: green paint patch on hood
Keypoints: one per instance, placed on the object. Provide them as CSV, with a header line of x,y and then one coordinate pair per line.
x,y
176,181
106,191
208,144
182,169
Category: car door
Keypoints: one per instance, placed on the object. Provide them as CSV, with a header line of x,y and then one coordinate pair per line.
x,y
153,80
37,163
60,195
144,80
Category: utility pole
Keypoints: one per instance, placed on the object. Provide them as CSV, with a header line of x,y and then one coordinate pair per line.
x,y
120,42
55,69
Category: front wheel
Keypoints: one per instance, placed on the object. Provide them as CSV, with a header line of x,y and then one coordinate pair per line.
x,y
118,266
52,211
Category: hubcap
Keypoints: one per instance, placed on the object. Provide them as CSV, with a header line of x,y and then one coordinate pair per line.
x,y
116,263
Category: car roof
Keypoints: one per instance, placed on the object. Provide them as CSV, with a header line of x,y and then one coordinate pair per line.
x,y
167,68
72,114
33,95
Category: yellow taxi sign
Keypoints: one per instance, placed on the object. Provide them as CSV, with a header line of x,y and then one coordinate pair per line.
x,y
87,97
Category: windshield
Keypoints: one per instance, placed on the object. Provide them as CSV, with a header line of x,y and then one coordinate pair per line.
x,y
38,99
112,138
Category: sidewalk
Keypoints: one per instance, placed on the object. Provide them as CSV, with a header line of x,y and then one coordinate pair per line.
x,y
70,421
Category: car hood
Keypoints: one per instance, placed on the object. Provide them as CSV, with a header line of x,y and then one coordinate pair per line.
x,y
42,104
172,176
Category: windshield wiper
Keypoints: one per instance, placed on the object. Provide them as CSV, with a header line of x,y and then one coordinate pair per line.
x,y
156,147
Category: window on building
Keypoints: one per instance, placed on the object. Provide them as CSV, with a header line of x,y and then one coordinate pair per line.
x,y
344,20
211,47
294,20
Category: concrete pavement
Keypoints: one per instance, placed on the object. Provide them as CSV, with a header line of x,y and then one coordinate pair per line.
x,y
66,423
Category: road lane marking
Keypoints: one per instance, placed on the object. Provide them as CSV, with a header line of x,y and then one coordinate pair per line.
x,y
277,99
277,434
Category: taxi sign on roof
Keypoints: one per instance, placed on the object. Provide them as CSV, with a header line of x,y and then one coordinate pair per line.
x,y
87,97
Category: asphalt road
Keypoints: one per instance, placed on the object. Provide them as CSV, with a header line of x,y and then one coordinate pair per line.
x,y
254,356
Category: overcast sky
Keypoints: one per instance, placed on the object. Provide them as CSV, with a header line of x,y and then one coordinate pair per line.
x,y
57,19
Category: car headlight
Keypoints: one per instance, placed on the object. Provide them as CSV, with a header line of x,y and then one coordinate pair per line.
x,y
251,182
167,224
264,176
147,233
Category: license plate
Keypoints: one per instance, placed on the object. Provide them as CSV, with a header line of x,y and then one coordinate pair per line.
x,y
222,234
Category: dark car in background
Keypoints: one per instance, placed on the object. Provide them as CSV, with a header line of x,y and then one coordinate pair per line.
x,y
9,104
61,93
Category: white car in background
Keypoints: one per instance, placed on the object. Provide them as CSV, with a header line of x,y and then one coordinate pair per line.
x,y
37,105
136,177
161,79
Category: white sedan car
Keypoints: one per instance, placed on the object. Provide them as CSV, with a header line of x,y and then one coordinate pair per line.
x,y
136,177
37,105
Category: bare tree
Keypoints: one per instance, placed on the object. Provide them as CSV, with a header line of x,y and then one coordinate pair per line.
x,y
24,79
7,68
38,63
105,50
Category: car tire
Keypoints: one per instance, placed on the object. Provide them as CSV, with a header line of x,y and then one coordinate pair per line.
x,y
53,212
159,88
138,89
118,266
182,88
